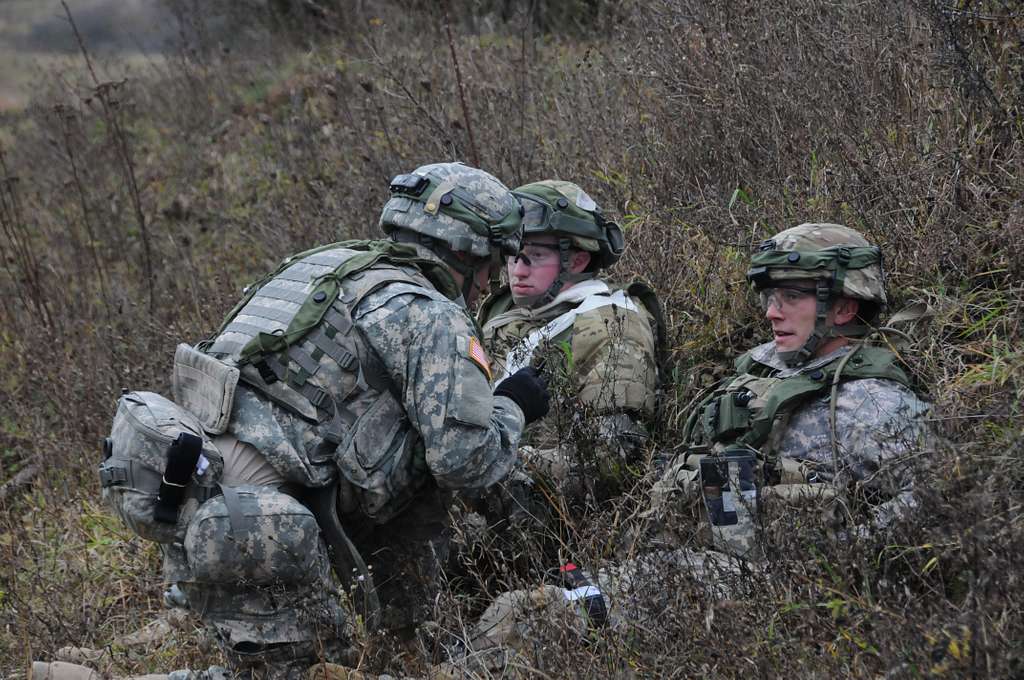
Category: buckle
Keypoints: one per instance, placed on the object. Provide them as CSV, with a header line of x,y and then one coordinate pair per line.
x,y
266,372
318,398
113,474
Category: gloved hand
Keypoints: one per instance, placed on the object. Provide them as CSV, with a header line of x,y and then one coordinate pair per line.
x,y
528,388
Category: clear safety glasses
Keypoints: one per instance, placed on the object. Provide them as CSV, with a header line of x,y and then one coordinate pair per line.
x,y
784,297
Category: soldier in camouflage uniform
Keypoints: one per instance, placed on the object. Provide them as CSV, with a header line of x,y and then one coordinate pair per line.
x,y
357,395
599,344
832,419
818,405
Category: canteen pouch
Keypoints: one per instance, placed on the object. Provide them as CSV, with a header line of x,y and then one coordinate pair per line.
x,y
205,386
253,534
145,427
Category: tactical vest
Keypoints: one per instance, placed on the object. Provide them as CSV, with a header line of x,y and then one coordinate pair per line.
x,y
501,301
292,339
752,410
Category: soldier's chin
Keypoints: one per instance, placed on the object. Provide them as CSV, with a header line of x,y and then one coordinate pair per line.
x,y
526,300
787,343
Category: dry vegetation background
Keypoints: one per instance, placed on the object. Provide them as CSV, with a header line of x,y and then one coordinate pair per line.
x,y
133,211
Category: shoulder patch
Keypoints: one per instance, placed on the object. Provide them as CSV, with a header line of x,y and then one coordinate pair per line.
x,y
479,356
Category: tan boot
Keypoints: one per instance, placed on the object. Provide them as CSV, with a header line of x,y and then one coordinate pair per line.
x,y
60,670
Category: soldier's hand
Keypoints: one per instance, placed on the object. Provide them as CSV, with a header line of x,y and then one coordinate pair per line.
x,y
529,389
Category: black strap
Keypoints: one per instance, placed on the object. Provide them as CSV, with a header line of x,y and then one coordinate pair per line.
x,y
182,455
345,558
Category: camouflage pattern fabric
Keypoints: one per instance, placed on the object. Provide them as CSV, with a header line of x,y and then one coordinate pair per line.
x,y
880,429
461,229
522,620
428,413
429,416
469,437
612,350
604,376
269,599
865,283
879,432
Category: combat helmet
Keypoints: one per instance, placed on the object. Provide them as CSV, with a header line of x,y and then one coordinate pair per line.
x,y
454,209
840,262
565,210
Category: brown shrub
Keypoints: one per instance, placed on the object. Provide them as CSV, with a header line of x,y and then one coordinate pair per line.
x,y
706,126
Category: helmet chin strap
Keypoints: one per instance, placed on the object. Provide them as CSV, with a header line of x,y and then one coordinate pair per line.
x,y
822,328
565,275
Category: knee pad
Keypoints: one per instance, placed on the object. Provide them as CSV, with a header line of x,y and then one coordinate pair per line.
x,y
260,577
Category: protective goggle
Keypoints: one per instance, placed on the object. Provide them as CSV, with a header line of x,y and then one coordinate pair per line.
x,y
784,298
535,254
539,216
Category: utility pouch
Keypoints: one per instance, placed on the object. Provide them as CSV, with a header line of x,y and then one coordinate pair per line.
x,y
158,466
729,486
205,386
182,458
727,416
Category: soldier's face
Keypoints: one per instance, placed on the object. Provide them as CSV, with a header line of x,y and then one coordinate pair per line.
x,y
537,267
792,309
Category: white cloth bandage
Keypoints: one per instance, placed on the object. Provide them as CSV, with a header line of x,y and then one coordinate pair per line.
x,y
582,592
521,355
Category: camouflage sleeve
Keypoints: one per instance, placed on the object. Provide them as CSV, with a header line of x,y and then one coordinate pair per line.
x,y
469,436
880,431
613,358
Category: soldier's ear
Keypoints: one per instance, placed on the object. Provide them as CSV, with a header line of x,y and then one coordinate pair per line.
x,y
579,261
845,310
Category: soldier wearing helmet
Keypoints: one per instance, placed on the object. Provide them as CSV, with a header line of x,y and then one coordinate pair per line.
x,y
601,343
350,393
830,419
823,410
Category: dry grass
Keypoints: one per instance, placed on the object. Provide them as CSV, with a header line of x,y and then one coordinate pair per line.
x,y
707,126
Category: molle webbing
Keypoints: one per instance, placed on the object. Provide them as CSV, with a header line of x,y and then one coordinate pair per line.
x,y
290,321
729,415
288,299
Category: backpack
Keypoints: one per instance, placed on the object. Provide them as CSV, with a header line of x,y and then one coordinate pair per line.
x,y
159,466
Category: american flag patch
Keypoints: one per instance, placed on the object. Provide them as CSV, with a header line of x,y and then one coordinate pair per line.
x,y
479,356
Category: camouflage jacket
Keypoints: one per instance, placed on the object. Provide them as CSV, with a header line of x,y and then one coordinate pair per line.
x,y
879,429
418,403
603,371
608,352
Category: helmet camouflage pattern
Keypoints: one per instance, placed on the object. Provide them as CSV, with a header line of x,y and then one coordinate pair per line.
x,y
839,261
823,251
564,209
468,210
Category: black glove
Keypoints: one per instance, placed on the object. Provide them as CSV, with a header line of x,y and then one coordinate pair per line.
x,y
528,388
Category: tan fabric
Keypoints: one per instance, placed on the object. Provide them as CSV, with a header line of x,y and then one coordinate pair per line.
x,y
613,366
613,353
244,464
518,619
59,670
